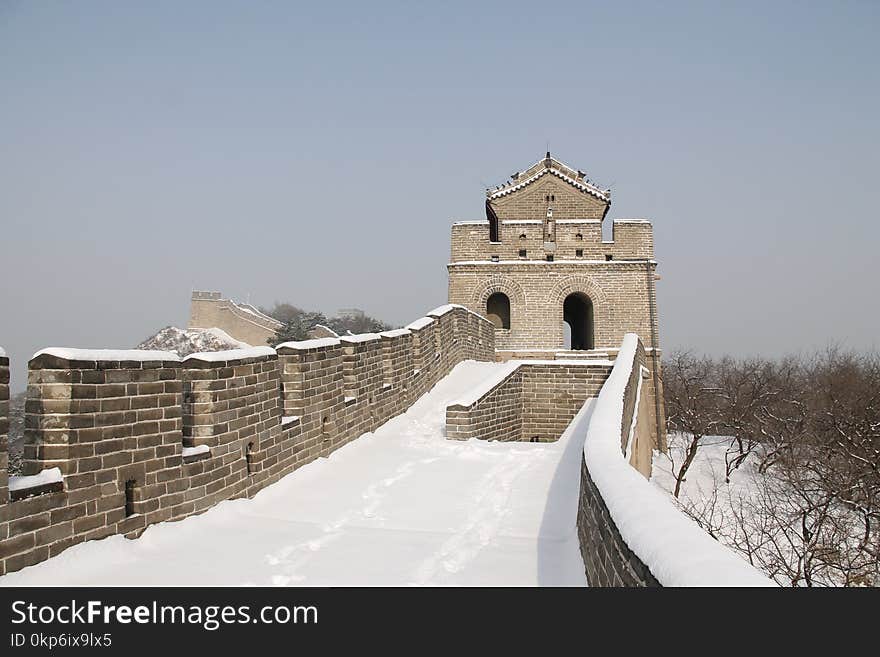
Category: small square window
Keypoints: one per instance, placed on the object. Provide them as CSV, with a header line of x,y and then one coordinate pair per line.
x,y
494,258
579,253
522,253
609,257
549,257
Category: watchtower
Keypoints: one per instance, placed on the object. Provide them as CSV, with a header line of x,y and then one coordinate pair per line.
x,y
539,269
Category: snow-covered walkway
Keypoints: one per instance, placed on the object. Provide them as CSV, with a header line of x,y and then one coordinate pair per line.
x,y
398,507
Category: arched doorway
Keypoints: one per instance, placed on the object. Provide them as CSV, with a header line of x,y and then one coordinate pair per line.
x,y
577,313
498,310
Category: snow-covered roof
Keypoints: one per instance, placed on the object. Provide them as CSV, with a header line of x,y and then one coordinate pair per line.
x,y
551,166
2,353
139,355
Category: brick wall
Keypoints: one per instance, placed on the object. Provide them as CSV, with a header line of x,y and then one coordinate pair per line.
x,y
144,441
534,402
4,434
608,560
631,239
496,415
211,310
622,295
553,393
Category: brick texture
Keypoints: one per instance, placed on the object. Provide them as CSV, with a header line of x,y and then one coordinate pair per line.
x,y
130,437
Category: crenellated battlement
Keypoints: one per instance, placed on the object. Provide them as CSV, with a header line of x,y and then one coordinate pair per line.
x,y
145,437
578,241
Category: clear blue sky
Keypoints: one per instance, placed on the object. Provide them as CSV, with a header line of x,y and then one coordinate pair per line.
x,y
317,153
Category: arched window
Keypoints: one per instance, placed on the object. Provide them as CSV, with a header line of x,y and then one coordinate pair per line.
x,y
498,310
577,313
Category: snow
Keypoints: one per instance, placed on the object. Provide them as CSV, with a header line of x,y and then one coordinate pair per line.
x,y
187,341
578,221
310,344
194,451
231,354
139,355
474,394
632,221
517,222
360,337
223,336
401,506
395,333
442,310
325,328
420,323
583,186
439,311
481,222
675,549
49,476
289,419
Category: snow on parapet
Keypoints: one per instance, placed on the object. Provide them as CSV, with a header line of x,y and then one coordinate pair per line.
x,y
309,344
395,333
138,355
2,353
673,547
442,310
231,354
50,476
195,451
420,323
632,221
360,337
439,311
486,386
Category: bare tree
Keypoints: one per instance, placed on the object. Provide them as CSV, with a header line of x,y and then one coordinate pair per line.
x,y
691,405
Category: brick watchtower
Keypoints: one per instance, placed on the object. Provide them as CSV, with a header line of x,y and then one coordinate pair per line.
x,y
538,268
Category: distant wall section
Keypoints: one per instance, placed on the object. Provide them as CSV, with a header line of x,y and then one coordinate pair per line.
x,y
240,320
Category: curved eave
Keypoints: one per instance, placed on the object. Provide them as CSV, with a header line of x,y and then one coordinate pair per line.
x,y
602,195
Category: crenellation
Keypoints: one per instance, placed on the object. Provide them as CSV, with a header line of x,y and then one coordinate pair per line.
x,y
116,425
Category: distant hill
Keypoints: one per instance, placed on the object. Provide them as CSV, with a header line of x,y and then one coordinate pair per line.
x,y
184,342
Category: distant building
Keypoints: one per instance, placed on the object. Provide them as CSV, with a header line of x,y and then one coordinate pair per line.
x,y
351,313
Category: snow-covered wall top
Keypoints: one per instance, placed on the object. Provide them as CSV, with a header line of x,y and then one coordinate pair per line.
x,y
231,354
215,425
133,355
673,547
